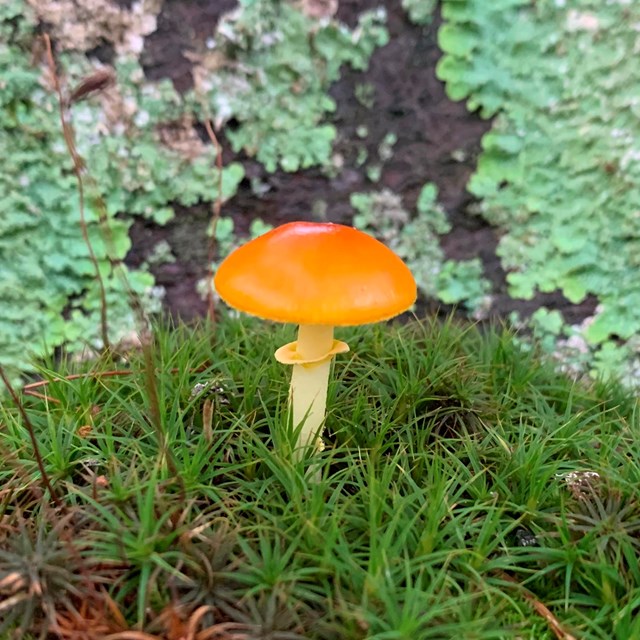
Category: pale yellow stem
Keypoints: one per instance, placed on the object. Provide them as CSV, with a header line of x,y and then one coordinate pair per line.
x,y
311,357
309,384
314,341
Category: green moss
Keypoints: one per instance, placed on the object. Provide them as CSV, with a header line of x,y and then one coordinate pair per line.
x,y
453,458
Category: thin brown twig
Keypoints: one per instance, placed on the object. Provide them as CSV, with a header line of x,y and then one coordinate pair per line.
x,y
131,635
194,620
217,209
42,396
98,82
32,435
540,608
221,631
207,420
77,376
154,407
78,168
28,389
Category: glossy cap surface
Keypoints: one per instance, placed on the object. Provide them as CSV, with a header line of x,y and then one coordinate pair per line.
x,y
316,273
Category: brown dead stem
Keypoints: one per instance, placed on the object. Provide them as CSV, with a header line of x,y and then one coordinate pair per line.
x,y
540,608
29,389
32,435
217,209
78,169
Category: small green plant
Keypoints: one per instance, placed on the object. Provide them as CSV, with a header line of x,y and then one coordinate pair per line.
x,y
606,517
420,11
40,570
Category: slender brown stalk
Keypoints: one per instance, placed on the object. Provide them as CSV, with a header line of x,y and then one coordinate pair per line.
x,y
42,396
540,608
78,168
207,420
29,389
217,209
142,321
32,435
154,407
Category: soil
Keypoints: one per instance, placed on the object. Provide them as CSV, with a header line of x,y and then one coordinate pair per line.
x,y
437,141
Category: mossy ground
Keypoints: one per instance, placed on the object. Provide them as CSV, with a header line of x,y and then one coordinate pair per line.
x,y
458,488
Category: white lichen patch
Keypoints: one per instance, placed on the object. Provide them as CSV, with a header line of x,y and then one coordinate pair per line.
x,y
581,484
582,21
81,26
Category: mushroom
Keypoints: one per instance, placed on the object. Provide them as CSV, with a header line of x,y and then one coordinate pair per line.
x,y
318,276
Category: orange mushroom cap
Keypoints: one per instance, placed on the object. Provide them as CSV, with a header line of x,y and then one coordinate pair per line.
x,y
316,273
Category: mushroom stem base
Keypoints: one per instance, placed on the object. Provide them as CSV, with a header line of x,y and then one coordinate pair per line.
x,y
308,395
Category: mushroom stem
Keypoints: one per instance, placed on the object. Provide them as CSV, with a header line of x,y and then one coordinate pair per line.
x,y
311,357
309,384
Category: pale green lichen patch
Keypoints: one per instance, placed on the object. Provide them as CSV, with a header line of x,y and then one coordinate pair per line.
x,y
142,156
269,68
420,11
559,171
